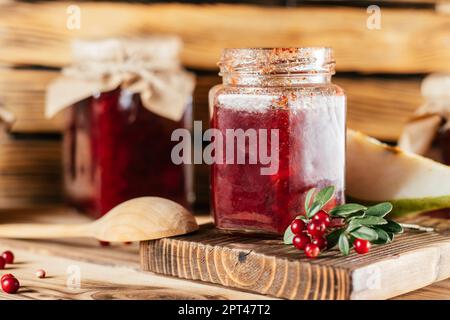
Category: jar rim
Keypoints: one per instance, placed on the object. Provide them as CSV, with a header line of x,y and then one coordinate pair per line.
x,y
283,60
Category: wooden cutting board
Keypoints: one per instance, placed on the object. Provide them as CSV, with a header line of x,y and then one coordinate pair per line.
x,y
265,265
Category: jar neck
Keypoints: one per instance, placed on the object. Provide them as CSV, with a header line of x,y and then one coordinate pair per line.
x,y
275,80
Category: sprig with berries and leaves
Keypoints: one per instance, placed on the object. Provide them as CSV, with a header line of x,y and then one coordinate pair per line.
x,y
348,225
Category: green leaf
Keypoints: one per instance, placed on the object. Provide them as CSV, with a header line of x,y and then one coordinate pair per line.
x,y
308,198
333,238
383,237
379,210
365,221
288,235
392,226
325,195
354,224
344,246
391,236
315,207
357,214
365,233
369,221
346,209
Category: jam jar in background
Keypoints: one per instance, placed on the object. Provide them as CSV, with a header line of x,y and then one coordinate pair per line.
x,y
117,145
289,90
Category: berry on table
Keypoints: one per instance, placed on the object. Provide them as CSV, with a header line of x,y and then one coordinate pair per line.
x,y
362,246
322,216
312,250
10,285
104,243
6,276
297,226
320,242
316,228
2,263
40,273
8,256
300,241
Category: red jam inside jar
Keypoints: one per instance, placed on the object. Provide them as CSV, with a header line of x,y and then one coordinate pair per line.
x,y
115,150
288,90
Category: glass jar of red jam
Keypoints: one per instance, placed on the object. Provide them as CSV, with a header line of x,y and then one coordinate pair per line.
x,y
115,148
288,91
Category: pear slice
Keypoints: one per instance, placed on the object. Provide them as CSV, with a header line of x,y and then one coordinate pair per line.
x,y
378,172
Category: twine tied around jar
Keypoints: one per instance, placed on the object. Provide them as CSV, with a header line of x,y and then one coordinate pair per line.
x,y
434,115
147,66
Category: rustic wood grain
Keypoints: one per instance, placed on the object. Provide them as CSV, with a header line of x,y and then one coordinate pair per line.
x,y
437,291
99,282
409,41
22,92
266,266
30,171
103,281
113,272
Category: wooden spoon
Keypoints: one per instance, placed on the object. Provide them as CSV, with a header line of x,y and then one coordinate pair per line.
x,y
138,219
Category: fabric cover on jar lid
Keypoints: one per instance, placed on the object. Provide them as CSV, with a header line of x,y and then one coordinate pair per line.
x,y
434,115
148,66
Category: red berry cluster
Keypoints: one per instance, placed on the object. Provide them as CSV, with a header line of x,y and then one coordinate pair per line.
x,y
310,235
9,283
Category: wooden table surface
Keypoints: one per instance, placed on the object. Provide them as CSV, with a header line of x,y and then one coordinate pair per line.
x,y
82,269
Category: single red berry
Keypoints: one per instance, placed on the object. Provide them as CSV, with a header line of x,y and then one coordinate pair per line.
x,y
297,226
320,242
6,276
300,241
2,263
10,285
322,216
104,243
362,246
312,250
316,228
8,256
40,273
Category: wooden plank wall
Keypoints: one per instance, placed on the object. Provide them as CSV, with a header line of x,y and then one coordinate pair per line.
x,y
409,41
